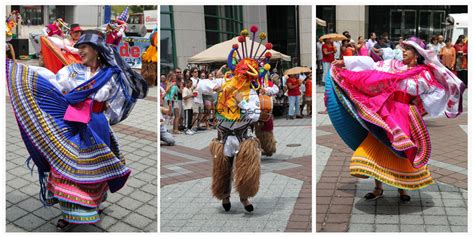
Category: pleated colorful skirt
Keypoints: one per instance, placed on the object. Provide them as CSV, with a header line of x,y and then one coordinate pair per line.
x,y
373,159
77,163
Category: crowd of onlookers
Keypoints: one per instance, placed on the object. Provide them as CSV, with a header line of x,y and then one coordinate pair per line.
x,y
187,109
380,47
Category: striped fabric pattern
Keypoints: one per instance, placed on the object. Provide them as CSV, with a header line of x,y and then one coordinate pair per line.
x,y
39,108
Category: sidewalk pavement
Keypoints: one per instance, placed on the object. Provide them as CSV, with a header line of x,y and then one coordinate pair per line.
x,y
132,209
283,202
441,207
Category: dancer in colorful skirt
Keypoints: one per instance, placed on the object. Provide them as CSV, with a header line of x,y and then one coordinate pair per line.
x,y
64,122
377,110
56,50
237,108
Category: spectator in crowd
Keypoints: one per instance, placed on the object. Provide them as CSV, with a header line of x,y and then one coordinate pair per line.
x,y
337,44
186,74
441,43
371,41
346,48
163,81
293,85
399,45
319,65
165,136
348,36
171,100
308,95
433,45
386,39
448,56
198,103
329,51
376,51
188,96
180,84
361,47
461,58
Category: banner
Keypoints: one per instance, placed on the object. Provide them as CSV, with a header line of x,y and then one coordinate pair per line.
x,y
131,50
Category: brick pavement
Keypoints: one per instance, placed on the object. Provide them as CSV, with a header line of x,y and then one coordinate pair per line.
x,y
132,209
282,204
441,207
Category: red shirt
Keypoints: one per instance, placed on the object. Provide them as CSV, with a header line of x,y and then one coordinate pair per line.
x,y
294,82
328,58
308,88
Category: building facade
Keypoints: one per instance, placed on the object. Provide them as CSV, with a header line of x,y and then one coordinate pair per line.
x,y
397,21
35,17
188,30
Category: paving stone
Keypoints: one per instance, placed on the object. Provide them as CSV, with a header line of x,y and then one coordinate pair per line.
x,y
106,222
141,196
439,211
137,220
13,228
122,227
437,228
411,228
457,220
387,228
361,228
47,213
456,211
117,211
30,204
363,219
29,222
451,195
411,219
130,203
454,203
436,220
462,228
14,213
148,211
387,219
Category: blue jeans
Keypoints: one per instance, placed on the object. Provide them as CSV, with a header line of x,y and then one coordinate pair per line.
x,y
294,102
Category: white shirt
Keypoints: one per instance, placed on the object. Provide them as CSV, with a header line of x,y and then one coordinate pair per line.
x,y
198,98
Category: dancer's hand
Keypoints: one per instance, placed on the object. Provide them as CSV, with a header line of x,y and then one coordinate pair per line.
x,y
338,63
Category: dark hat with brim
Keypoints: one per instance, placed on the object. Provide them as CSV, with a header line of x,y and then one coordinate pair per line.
x,y
96,40
91,37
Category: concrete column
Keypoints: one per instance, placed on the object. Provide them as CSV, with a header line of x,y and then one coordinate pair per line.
x,y
306,33
190,32
352,19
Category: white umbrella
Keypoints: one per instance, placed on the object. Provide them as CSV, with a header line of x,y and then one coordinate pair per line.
x,y
220,52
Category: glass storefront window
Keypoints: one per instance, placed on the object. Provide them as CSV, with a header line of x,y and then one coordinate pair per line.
x,y
167,44
31,15
222,23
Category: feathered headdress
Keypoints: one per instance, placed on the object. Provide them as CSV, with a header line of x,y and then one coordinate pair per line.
x,y
255,65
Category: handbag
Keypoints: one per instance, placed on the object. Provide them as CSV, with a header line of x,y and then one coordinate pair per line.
x,y
80,112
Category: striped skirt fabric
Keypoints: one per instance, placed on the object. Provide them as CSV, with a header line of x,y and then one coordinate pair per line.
x,y
373,159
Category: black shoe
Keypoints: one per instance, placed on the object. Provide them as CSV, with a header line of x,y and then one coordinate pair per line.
x,y
403,197
248,207
372,196
226,205
64,225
